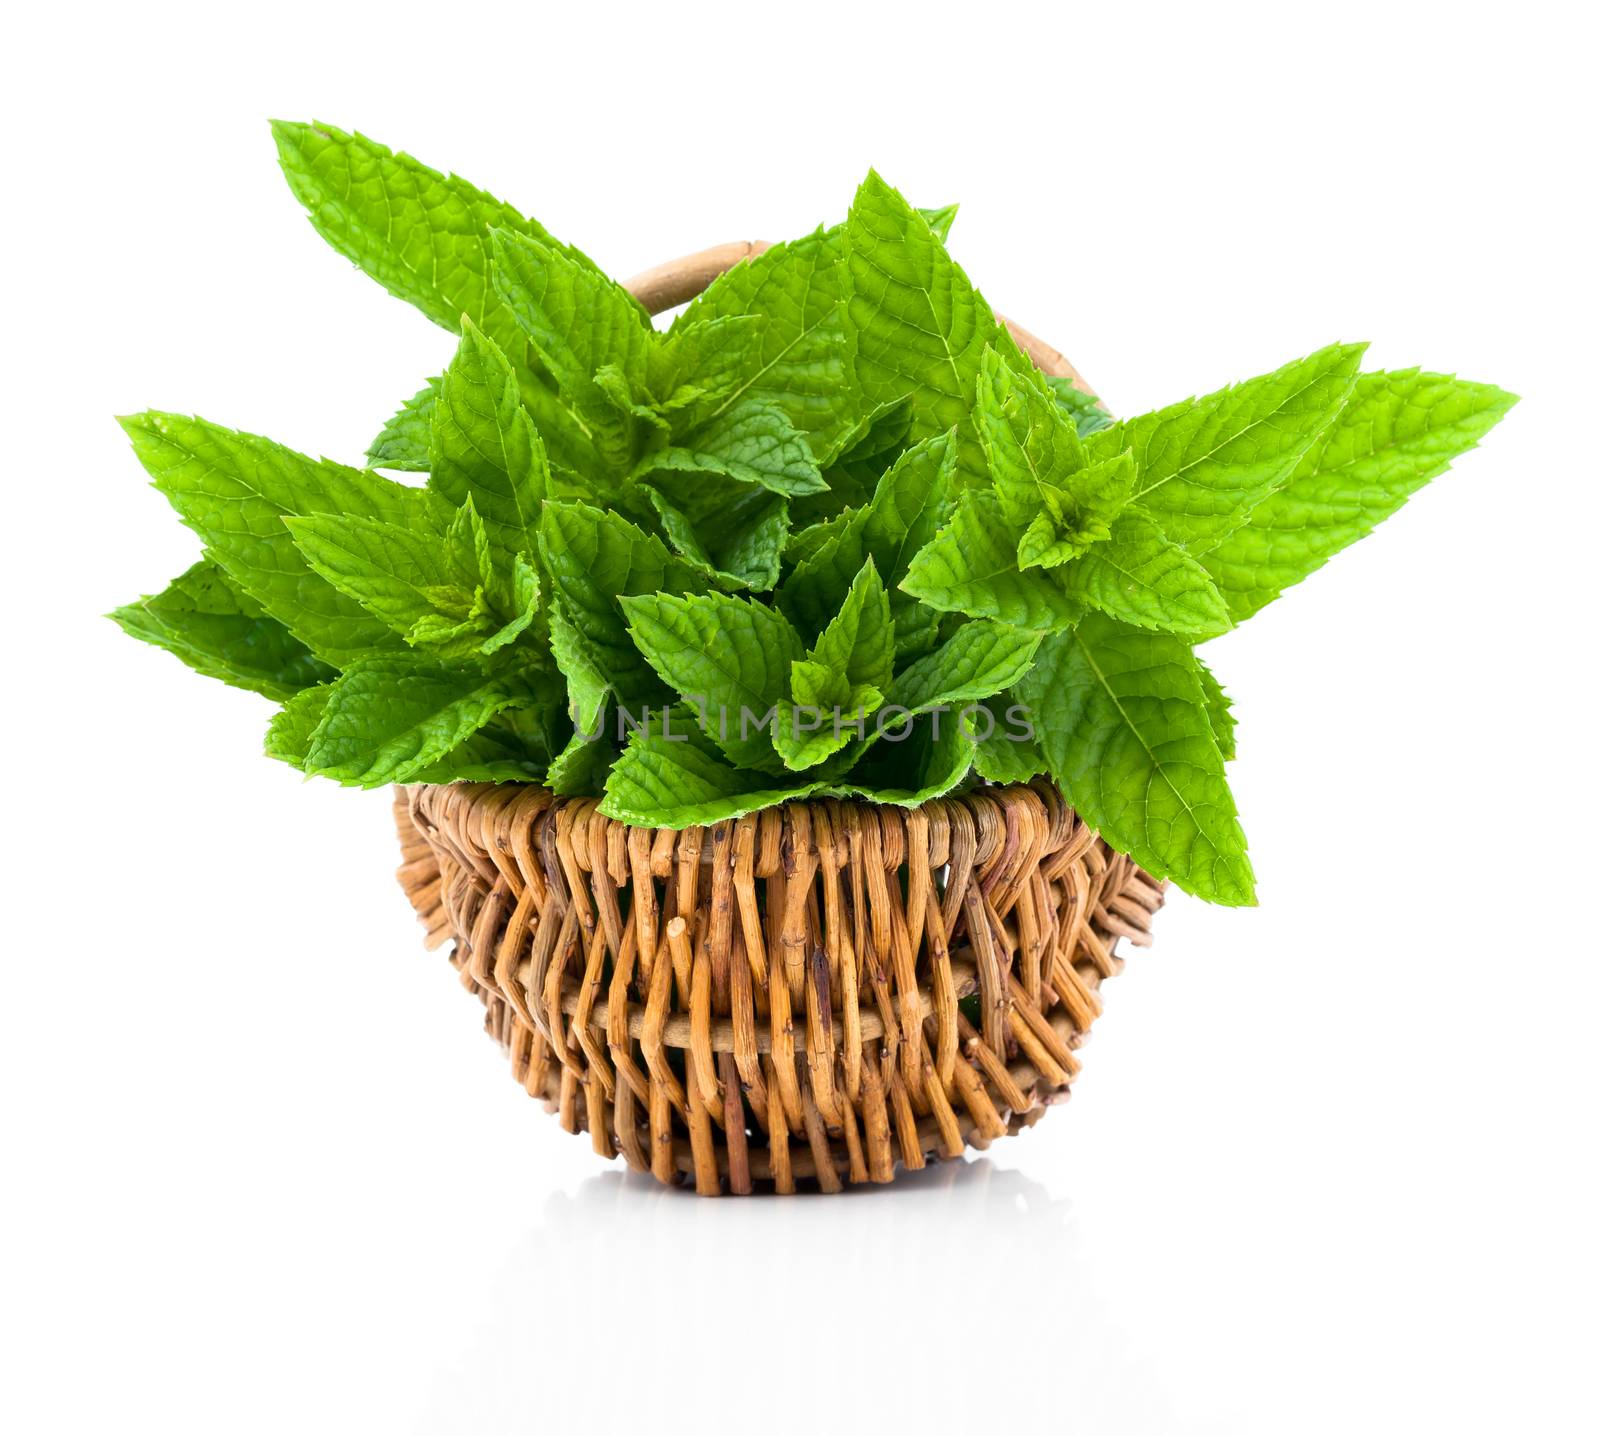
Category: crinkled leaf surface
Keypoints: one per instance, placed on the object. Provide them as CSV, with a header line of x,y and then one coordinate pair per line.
x,y
235,490
670,779
390,716
727,656
404,442
484,447
1123,724
1141,577
919,326
1205,463
210,623
971,568
1398,431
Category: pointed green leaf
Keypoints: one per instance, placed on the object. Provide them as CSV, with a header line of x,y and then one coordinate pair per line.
x,y
858,645
910,504
671,780
293,726
235,490
404,576
754,443
218,630
732,531
1141,577
484,446
728,657
575,318
1087,413
594,559
403,443
979,660
1006,751
920,327
809,730
697,370
526,593
1123,724
802,363
390,716
1398,431
423,235
933,758
1205,463
1219,709
1031,446
971,568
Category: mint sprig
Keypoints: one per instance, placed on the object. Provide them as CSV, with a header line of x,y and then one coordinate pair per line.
x,y
828,533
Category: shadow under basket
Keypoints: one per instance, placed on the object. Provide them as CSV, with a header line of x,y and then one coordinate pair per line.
x,y
816,994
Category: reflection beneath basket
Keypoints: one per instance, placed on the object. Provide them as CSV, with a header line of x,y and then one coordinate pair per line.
x,y
957,1291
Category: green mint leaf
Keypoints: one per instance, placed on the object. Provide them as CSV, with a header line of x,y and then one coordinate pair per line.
x,y
697,370
1006,750
575,318
423,235
670,780
587,684
1087,413
920,328
1219,710
235,490
403,443
1123,724
1030,444
979,660
1205,463
391,716
910,504
754,444
484,446
940,220
210,623
293,726
971,568
1140,576
594,560
802,363
730,530
727,656
858,644
422,582
809,730
1047,492
581,767
911,768
859,457
526,592
1398,431
512,747
1077,513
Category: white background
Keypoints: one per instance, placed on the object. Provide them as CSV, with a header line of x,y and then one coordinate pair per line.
x,y
1331,1163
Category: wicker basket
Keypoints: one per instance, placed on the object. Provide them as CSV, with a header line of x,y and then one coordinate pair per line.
x,y
818,993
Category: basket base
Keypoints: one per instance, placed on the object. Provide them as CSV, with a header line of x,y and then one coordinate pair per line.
x,y
835,992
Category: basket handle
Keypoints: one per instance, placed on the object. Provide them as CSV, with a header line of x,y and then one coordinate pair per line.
x,y
679,280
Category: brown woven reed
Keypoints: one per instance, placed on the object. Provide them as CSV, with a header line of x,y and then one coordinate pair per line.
x,y
817,993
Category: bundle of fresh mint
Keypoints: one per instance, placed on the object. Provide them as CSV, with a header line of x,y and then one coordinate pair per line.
x,y
830,533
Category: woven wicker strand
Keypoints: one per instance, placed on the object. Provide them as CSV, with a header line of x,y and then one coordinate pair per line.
x,y
820,993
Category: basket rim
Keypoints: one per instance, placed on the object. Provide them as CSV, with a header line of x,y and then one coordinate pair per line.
x,y
1049,793
676,281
